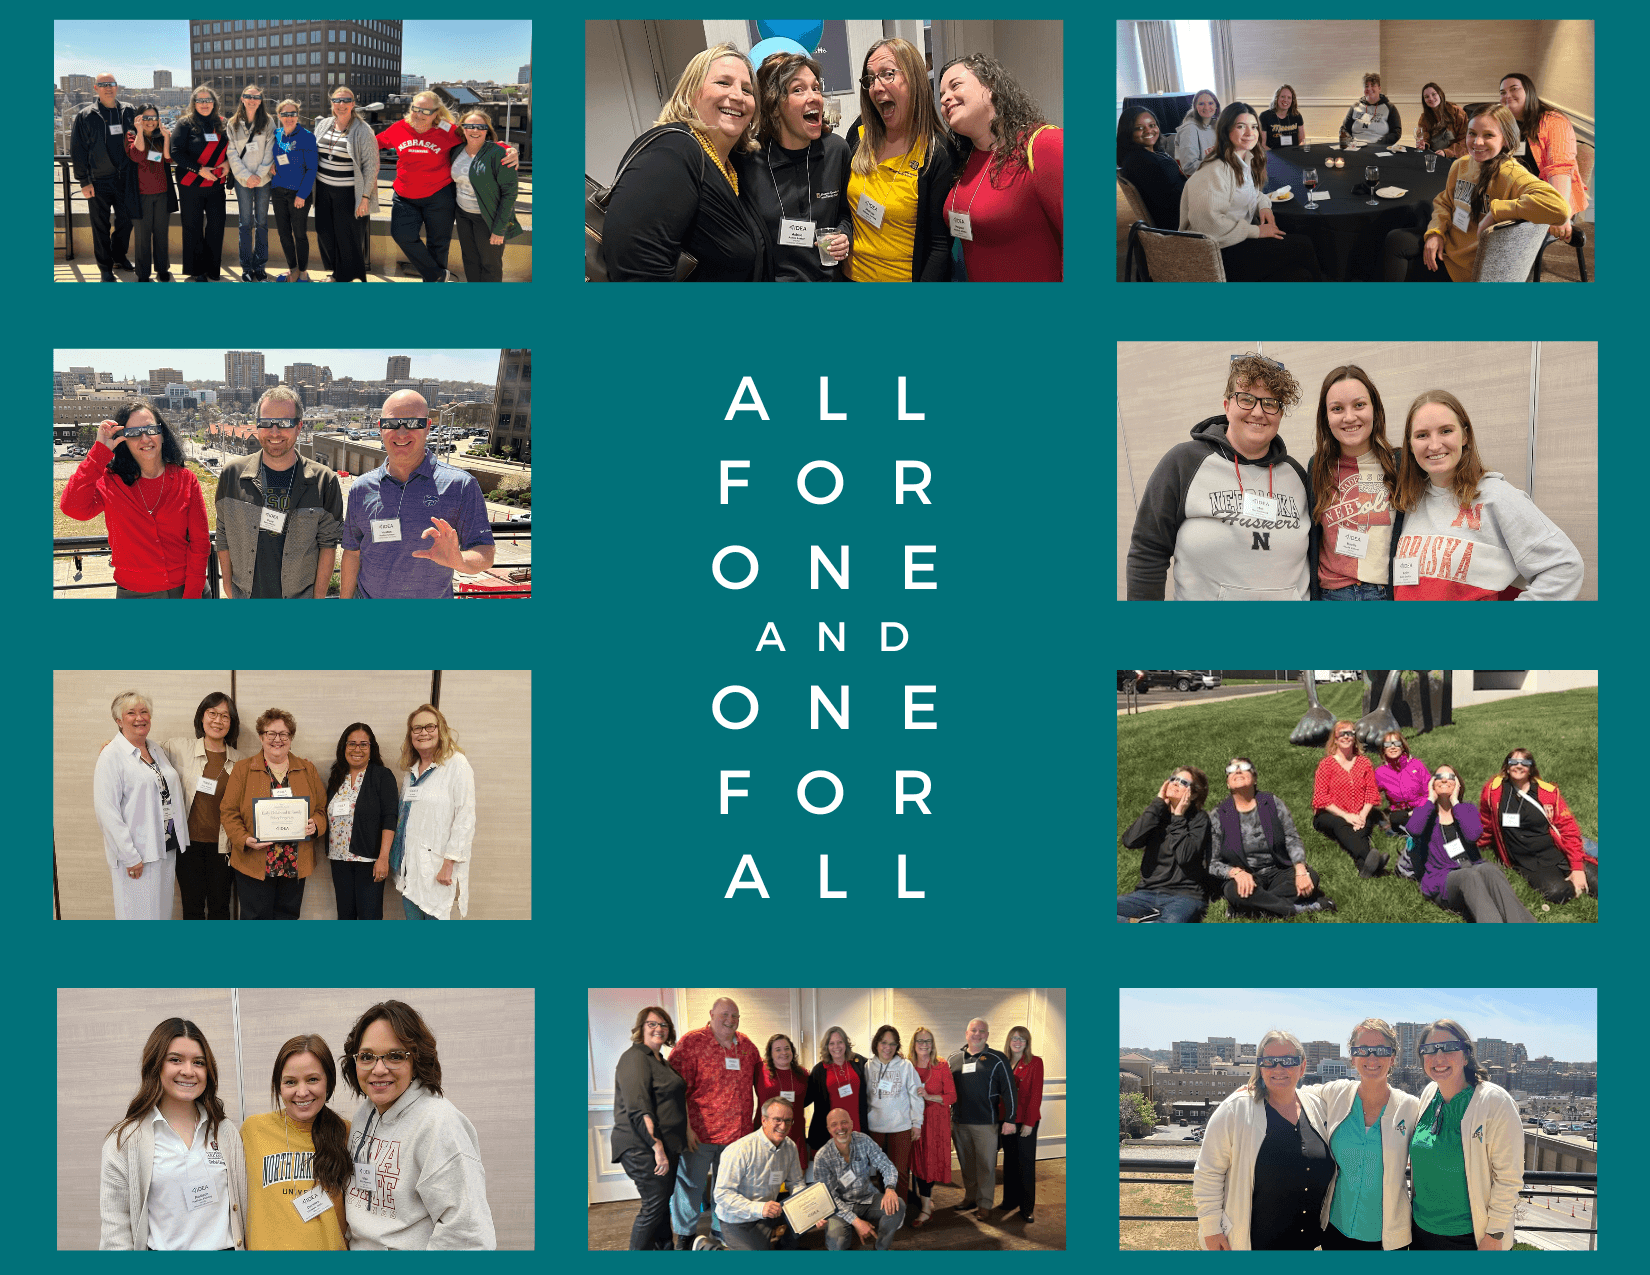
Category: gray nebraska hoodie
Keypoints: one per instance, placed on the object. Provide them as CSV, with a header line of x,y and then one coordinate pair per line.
x,y
429,1189
1192,512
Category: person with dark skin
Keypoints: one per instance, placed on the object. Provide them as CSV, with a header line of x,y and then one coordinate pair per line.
x,y
1155,175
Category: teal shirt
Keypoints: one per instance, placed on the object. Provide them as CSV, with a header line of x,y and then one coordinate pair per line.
x,y
1438,1167
1356,1210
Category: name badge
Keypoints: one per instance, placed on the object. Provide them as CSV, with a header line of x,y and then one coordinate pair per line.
x,y
445,127
775,1177
1463,216
412,793
731,1064
962,226
968,1068
846,1091
1406,571
385,530
795,234
1285,140
1519,153
312,1203
885,1087
1256,505
208,786
280,159
789,1095
154,157
846,1177
1352,544
1510,819
363,1175
1454,848
211,137
273,520
281,792
115,130
199,1191
869,210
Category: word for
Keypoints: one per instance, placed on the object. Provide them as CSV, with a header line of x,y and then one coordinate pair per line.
x,y
838,639
754,403
901,797
817,559
901,487
747,863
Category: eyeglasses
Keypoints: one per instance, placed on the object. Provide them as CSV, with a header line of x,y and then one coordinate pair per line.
x,y
110,84
277,422
206,101
1344,734
1445,778
1521,763
1237,767
276,737
215,715
342,101
424,110
1280,1060
781,1119
652,1023
1373,1051
1176,779
388,423
139,431
150,118
353,745
425,730
473,128
1247,402
886,77
288,115
395,1058
1445,1047
252,97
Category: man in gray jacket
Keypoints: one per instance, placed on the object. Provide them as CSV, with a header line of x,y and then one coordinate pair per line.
x,y
280,516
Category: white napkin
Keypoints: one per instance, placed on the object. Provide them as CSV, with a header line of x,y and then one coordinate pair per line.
x,y
1317,196
1281,190
1382,154
1391,192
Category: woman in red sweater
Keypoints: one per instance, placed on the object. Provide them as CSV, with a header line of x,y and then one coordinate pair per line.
x,y
1343,794
780,1078
1020,1152
931,1147
150,150
425,197
151,504
1008,206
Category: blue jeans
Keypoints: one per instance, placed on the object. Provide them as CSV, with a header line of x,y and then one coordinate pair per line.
x,y
252,211
695,1172
434,214
1170,909
1356,593
414,912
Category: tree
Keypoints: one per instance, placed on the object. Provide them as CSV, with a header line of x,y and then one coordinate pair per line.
x,y
1135,1115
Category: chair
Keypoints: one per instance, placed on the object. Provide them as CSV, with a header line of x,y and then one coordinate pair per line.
x,y
1578,235
1507,253
1130,209
1172,256
1136,201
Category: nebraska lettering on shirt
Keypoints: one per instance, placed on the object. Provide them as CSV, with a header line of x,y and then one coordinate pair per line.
x,y
1227,505
418,144
289,1166
386,1160
1436,556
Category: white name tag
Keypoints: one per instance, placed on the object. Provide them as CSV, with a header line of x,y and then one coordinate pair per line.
x,y
869,210
1454,848
962,226
211,137
198,1191
154,157
208,786
412,794
846,1177
885,1087
363,1175
795,234
789,1095
273,520
1285,140
1256,505
281,792
1406,571
445,127
1463,217
281,159
385,530
1510,819
847,1091
1352,544
1520,151
312,1203
775,1177
115,130
968,1068
732,1064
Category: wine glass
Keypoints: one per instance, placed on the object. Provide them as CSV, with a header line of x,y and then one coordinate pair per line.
x,y
1372,174
1309,179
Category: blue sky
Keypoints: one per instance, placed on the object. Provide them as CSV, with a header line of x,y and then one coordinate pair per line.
x,y
441,50
207,365
1561,1021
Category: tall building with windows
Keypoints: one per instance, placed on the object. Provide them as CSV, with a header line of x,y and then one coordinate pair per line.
x,y
243,369
525,74
512,404
161,377
163,80
304,58
398,367
76,83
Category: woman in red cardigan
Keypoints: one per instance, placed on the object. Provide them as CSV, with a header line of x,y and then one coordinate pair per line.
x,y
1020,1152
1343,795
780,1078
151,504
931,1145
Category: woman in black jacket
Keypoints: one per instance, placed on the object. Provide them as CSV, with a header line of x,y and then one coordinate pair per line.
x,y
837,1080
1155,175
650,1125
1173,836
200,149
361,810
899,237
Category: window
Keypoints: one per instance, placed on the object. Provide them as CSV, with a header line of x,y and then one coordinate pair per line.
x,y
286,41
303,37
237,27
286,60
240,64
263,61
1197,57
263,41
217,28
237,44
510,370
314,77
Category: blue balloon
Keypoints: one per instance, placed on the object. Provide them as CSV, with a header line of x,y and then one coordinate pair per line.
x,y
807,32
775,44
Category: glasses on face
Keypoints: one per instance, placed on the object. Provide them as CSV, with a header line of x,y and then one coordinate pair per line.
x,y
150,118
216,717
110,85
252,97
885,77
1238,767
139,431
781,1119
1519,763
652,1023
1393,743
474,128
342,101
423,110
1176,779
1247,402
206,101
1444,1047
1281,1060
1373,1051
395,1058
1446,779
288,115
388,423
276,736
1344,734
352,746
277,422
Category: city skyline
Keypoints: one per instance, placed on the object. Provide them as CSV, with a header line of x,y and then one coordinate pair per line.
x,y
436,50
362,365
1561,1023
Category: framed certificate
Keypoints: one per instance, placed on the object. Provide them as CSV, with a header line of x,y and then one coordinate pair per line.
x,y
279,818
808,1207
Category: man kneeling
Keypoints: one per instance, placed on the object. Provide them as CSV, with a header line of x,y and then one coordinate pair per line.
x,y
748,1181
844,1165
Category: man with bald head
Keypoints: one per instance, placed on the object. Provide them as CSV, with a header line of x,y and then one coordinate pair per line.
x,y
97,154
985,1097
414,520
720,1066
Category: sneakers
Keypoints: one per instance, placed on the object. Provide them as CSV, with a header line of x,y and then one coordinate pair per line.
x,y
121,263
708,1244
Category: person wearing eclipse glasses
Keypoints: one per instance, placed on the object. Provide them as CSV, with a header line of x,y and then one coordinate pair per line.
x,y
1466,1153
280,515
1446,832
409,499
1525,818
1255,850
1173,837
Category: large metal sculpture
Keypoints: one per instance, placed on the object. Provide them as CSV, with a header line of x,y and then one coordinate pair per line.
x,y
1426,704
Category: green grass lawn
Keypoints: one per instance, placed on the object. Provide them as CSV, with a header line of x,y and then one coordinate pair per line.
x,y
1561,729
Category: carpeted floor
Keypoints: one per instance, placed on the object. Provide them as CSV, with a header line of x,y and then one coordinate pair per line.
x,y
609,1224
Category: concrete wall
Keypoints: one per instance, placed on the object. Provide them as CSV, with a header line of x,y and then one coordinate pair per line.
x,y
1480,686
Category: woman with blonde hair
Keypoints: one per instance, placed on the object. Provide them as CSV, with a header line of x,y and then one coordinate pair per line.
x,y
1281,123
486,189
1263,1170
931,1147
1020,1149
903,166
200,149
837,1080
296,158
252,160
1466,533
676,193
1343,793
140,808
346,186
430,857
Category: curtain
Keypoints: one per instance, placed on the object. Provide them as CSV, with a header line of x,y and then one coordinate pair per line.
x,y
1160,53
1220,40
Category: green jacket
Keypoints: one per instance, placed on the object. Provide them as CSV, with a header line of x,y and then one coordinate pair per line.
x,y
495,187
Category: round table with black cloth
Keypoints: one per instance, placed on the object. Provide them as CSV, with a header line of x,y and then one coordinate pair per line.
x,y
1168,108
1348,234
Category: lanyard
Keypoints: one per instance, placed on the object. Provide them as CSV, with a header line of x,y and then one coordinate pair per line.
x,y
1239,474
808,172
969,211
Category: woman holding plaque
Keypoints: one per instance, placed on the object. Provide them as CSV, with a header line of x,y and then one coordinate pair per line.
x,y
139,803
430,857
205,760
272,872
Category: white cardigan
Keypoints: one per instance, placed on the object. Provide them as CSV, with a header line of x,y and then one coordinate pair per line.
x,y
1223,1183
189,757
1397,1127
123,1186
1214,203
1492,1145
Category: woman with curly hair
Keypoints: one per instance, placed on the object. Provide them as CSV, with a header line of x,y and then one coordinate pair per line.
x,y
1155,175
782,1077
1353,475
1442,127
1008,206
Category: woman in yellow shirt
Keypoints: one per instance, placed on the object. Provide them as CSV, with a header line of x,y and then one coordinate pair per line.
x,y
297,1156
904,163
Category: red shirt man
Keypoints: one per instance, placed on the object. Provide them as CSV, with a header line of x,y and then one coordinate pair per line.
x,y
720,1065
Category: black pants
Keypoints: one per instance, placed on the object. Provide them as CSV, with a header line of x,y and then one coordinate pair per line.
x,y
202,214
1265,260
1333,1239
1481,893
1274,891
1551,878
271,899
758,1235
152,234
1355,841
292,224
1420,1240
1404,264
360,898
651,1229
204,878
483,261
1020,1171
338,231
431,215
109,200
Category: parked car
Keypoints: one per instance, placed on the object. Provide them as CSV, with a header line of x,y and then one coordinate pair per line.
x,y
1211,681
1175,679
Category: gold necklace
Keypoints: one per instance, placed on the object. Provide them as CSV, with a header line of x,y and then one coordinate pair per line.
x,y
717,160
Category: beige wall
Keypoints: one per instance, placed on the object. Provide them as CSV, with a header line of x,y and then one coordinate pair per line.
x,y
488,710
1164,388
1535,682
1324,62
1564,71
486,1040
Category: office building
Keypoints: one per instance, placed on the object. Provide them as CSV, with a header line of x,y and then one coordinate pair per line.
x,y
1318,1050
512,405
161,377
398,367
525,75
163,80
304,59
243,369
77,83
306,374
412,83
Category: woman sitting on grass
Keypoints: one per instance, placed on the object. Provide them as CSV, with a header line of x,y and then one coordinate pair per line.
x,y
1255,849
1527,821
1446,831
1173,835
